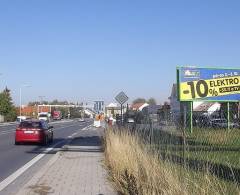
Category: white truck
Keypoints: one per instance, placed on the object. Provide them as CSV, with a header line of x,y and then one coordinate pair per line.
x,y
45,116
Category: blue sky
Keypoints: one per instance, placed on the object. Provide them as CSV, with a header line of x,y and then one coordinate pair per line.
x,y
90,50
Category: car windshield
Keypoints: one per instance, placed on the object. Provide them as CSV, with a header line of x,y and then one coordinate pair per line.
x,y
42,115
29,125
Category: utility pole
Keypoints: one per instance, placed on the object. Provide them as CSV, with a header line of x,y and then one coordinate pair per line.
x,y
20,99
41,100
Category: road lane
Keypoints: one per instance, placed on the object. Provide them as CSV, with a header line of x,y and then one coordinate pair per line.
x,y
11,128
13,157
4,129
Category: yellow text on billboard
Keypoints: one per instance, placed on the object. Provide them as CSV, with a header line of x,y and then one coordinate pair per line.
x,y
200,89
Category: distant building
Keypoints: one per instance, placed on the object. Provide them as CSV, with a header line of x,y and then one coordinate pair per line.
x,y
165,115
89,112
152,111
1,118
98,106
139,106
112,110
174,103
30,111
208,107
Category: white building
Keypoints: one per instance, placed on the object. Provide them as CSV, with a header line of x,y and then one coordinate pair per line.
x,y
112,109
198,106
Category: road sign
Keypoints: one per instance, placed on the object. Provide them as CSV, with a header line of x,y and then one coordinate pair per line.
x,y
121,98
208,84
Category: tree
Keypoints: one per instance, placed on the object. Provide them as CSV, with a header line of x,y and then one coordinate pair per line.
x,y
56,102
34,103
75,113
152,101
7,109
139,100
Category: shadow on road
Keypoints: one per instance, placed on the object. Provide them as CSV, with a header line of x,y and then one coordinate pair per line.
x,y
42,149
86,141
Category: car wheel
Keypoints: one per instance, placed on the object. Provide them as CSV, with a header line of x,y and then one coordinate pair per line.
x,y
51,140
17,143
45,141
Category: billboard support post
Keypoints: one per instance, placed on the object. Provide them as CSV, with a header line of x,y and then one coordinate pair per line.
x,y
191,117
185,116
228,115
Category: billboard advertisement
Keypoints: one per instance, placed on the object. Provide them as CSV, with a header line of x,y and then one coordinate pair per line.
x,y
208,84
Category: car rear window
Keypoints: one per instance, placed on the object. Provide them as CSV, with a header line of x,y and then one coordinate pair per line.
x,y
43,115
30,125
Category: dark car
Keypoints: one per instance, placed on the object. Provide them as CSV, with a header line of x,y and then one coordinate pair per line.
x,y
34,131
223,123
201,121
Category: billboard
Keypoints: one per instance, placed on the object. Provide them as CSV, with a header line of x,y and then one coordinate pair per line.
x,y
208,84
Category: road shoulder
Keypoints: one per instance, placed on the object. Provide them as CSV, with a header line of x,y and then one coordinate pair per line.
x,y
76,169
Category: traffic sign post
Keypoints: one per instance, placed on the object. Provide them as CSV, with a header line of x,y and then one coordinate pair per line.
x,y
121,98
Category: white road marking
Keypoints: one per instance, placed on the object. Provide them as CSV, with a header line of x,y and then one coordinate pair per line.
x,y
4,131
86,128
74,134
13,130
24,168
65,127
7,132
8,124
63,121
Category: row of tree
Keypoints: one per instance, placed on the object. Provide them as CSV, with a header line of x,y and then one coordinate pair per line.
x,y
9,111
7,108
54,102
150,101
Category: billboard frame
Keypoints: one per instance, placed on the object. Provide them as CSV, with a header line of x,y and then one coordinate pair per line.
x,y
190,103
201,100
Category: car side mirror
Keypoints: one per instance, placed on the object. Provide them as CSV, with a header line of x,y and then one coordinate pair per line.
x,y
50,127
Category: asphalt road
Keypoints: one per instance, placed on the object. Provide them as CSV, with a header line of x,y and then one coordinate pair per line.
x,y
13,157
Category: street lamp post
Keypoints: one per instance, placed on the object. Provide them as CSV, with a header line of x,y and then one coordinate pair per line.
x,y
41,101
20,105
20,110
1,74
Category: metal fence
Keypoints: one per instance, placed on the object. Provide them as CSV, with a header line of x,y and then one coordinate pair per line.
x,y
210,146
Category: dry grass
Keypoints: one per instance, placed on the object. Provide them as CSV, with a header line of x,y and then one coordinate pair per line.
x,y
136,171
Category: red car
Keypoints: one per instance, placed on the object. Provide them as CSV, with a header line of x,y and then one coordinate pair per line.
x,y
34,131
